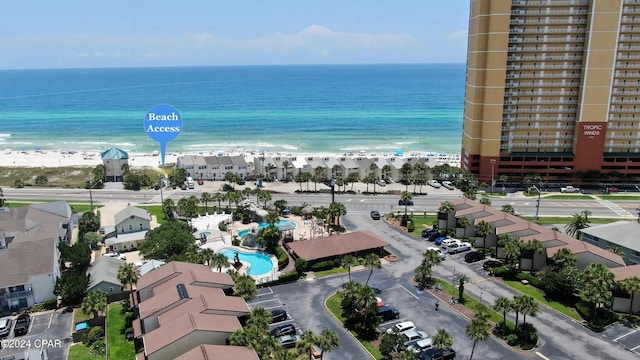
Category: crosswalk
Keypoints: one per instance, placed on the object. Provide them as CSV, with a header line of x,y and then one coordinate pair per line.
x,y
613,207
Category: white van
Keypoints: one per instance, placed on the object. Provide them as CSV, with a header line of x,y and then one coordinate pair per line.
x,y
190,183
401,327
445,243
5,326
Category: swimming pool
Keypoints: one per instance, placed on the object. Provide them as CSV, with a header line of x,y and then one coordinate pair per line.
x,y
263,225
259,263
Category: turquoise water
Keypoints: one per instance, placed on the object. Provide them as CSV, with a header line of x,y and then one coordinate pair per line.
x,y
260,264
311,109
263,225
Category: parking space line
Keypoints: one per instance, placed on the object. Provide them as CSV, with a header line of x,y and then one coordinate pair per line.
x,y
542,356
410,293
263,301
627,334
634,348
283,322
272,307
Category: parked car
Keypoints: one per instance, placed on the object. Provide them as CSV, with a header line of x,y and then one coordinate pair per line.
x,y
426,233
458,248
22,325
446,242
443,255
288,341
434,184
382,183
241,182
183,186
200,182
448,185
387,313
608,190
436,235
437,354
375,214
282,330
413,335
5,326
401,327
490,264
278,315
438,241
473,256
420,345
115,255
405,202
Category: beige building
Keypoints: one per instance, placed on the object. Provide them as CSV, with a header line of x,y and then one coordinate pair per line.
x,y
552,89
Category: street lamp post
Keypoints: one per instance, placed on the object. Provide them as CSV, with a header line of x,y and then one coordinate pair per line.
x,y
538,202
493,163
91,185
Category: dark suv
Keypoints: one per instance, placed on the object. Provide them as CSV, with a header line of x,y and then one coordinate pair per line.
x,y
278,315
22,325
283,330
473,256
405,202
375,214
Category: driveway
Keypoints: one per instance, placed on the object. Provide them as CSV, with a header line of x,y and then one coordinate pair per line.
x,y
50,331
624,335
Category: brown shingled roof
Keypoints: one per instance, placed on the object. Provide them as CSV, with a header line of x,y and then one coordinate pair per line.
x,y
219,352
197,272
186,324
624,272
343,244
217,304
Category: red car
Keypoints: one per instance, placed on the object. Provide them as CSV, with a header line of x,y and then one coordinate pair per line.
x,y
609,190
200,181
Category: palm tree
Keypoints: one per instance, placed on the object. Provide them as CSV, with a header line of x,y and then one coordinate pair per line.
x,y
484,229
446,207
617,250
477,330
528,306
535,246
335,169
512,249
386,171
463,223
219,197
349,261
327,341
443,340
169,208
405,196
94,303
270,167
598,282
631,286
337,210
207,255
128,274
245,287
462,279
307,343
317,176
264,196
1,197
508,208
371,262
517,306
219,261
286,165
563,258
424,270
206,198
578,222
503,304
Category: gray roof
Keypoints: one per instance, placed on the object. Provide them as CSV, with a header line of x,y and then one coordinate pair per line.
x,y
129,211
150,265
114,154
185,160
621,233
35,230
314,162
238,160
126,237
105,269
348,163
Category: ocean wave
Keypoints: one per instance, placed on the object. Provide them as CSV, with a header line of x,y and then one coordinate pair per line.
x,y
4,136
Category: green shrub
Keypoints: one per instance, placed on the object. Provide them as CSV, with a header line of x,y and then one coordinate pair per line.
x,y
502,271
222,226
285,278
235,241
533,280
96,333
323,265
411,227
98,349
283,258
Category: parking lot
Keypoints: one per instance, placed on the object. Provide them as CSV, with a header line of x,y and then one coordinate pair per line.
x,y
625,336
49,331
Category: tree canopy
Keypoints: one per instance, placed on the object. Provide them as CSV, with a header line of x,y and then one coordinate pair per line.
x,y
169,241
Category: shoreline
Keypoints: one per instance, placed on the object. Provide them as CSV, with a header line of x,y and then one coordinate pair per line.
x,y
66,158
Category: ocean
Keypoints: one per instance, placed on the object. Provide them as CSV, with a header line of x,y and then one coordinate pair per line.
x,y
290,109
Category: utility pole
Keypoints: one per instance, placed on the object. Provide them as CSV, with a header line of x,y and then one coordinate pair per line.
x,y
333,190
538,202
493,163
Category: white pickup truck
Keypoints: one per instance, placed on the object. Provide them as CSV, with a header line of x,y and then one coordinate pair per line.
x,y
569,189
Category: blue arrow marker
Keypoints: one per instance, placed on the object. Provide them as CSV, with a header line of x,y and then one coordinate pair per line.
x,y
163,123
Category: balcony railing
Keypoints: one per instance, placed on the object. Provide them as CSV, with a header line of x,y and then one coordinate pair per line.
x,y
545,57
549,12
619,110
547,30
543,39
543,67
539,3
539,118
542,93
631,19
17,294
623,118
544,76
541,102
551,48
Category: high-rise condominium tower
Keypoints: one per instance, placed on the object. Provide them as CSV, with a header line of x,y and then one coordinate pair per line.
x,y
553,88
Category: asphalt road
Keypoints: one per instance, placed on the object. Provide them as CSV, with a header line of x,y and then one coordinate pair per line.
x,y
355,203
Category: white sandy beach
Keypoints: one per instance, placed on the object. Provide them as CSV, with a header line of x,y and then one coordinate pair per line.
x,y
56,158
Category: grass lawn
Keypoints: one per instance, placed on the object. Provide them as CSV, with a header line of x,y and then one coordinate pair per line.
x,y
538,295
567,197
333,304
156,210
565,220
421,222
81,352
329,272
80,316
620,197
117,344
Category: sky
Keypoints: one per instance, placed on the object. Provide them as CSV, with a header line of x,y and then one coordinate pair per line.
x,y
116,33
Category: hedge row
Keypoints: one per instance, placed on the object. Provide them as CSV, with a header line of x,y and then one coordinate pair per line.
x,y
283,258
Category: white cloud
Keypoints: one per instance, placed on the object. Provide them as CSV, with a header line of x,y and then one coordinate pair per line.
x,y
460,34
